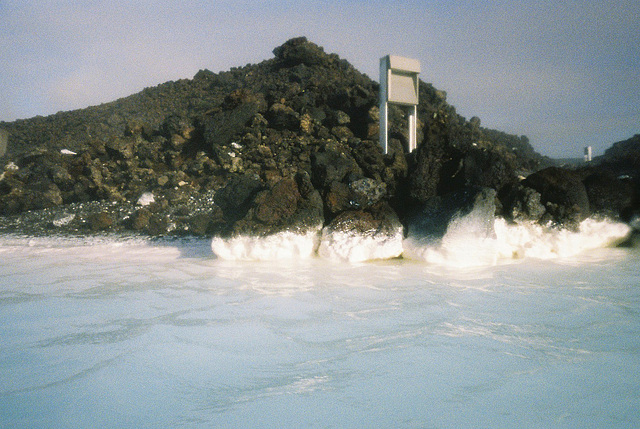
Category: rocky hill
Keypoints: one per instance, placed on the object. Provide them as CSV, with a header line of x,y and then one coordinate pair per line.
x,y
289,143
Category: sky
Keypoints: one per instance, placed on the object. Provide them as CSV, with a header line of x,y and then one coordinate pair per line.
x,y
566,74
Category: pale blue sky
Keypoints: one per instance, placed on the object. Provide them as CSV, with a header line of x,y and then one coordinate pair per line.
x,y
566,74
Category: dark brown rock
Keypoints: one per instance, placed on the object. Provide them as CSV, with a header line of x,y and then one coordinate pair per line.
x,y
237,196
100,221
378,219
521,203
337,197
140,219
608,194
222,128
332,164
282,117
300,51
278,203
563,194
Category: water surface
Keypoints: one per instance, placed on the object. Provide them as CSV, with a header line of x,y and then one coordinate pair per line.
x,y
133,333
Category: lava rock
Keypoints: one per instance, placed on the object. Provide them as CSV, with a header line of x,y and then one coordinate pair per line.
x,y
609,195
236,197
563,194
290,142
222,128
280,208
378,219
278,203
332,164
521,203
359,235
100,221
300,51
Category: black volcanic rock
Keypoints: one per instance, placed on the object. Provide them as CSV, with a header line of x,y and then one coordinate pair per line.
x,y
299,51
624,155
287,205
521,203
237,195
378,220
609,194
289,143
562,193
612,181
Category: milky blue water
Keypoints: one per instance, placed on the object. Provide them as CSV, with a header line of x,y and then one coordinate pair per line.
x,y
112,334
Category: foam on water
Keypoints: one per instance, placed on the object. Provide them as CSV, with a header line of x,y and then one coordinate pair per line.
x,y
453,251
97,248
469,242
464,245
461,247
283,245
354,247
536,241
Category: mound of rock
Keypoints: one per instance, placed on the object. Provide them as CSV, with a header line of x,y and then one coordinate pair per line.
x,y
289,144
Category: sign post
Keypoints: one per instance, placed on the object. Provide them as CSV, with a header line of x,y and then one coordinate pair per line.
x,y
398,85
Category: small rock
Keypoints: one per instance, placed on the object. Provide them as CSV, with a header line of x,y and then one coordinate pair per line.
x,y
100,221
140,219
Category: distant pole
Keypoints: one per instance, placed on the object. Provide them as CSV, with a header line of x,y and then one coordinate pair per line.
x,y
587,154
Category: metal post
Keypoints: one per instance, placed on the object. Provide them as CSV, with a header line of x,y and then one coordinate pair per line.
x,y
384,107
413,125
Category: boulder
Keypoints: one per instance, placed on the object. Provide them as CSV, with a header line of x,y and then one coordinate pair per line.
x,y
278,203
139,220
610,195
625,155
361,235
221,128
289,205
282,117
337,198
436,170
332,164
310,212
121,148
366,192
300,51
100,221
521,203
236,197
489,166
181,126
562,193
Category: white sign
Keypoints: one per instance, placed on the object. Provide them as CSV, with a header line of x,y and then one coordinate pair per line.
x,y
398,85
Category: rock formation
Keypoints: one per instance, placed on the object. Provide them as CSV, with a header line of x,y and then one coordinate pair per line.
x,y
286,144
